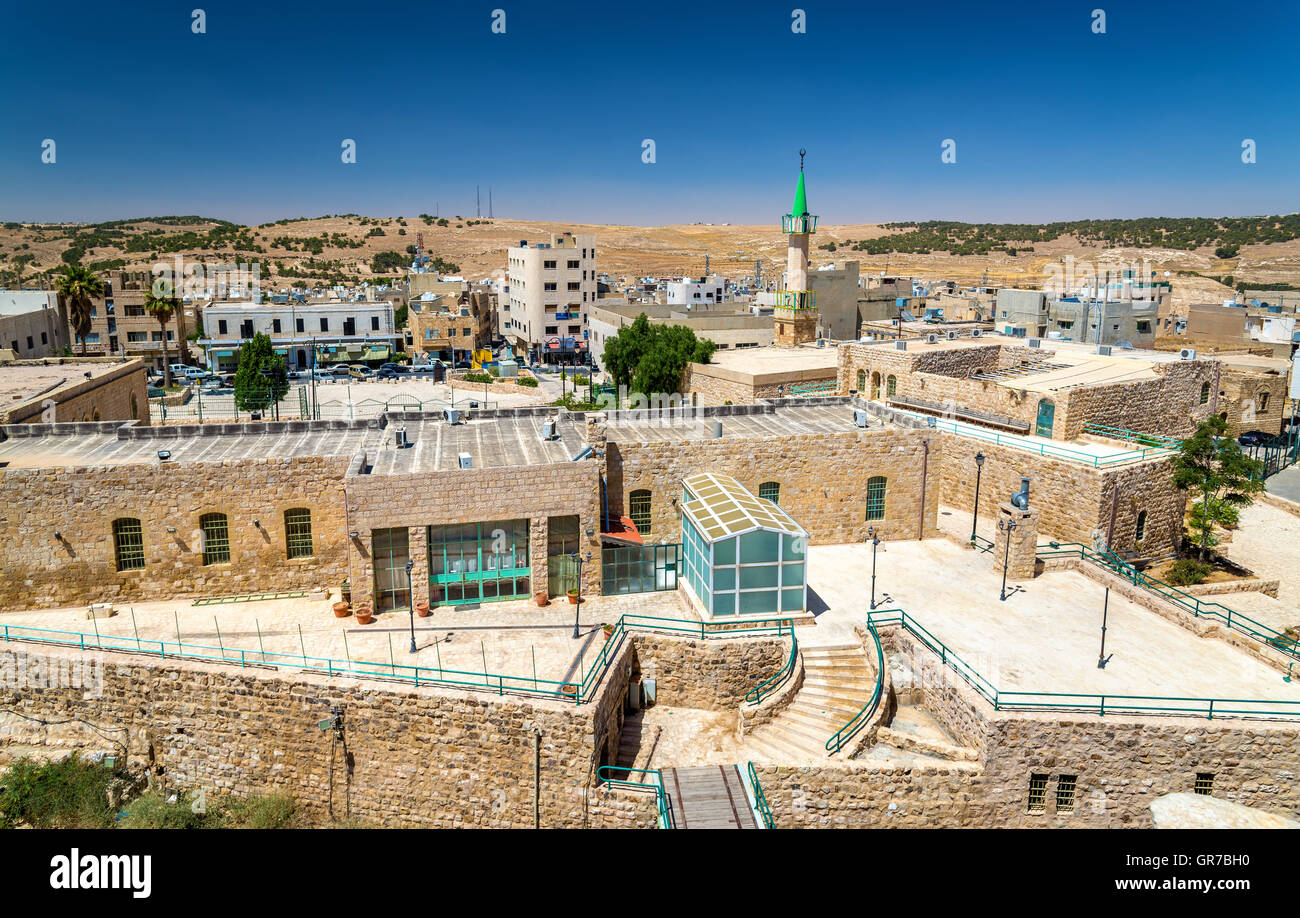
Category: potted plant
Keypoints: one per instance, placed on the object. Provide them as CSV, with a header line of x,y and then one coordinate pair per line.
x,y
364,613
573,596
346,592
609,631
422,608
542,598
341,610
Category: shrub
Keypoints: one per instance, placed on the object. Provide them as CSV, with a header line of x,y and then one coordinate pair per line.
x,y
273,811
152,810
478,377
70,794
528,381
1187,572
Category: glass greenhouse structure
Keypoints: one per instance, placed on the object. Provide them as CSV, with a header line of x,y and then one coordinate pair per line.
x,y
741,555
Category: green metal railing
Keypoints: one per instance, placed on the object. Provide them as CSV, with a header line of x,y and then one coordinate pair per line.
x,y
1132,436
577,692
1231,618
760,799
1047,447
249,597
980,543
1099,704
756,694
605,772
856,722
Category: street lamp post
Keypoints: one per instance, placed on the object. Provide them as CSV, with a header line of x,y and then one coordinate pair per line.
x,y
875,540
975,515
410,600
577,607
1008,526
1105,608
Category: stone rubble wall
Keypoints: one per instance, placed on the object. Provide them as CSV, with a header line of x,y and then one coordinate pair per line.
x,y
711,675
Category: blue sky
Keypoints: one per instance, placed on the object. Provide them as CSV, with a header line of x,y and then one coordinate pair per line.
x,y
1051,121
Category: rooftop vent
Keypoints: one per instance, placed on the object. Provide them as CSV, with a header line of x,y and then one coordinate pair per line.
x,y
977,333
952,335
451,415
932,338
548,430
399,438
1103,350
1034,342
466,461
900,345
859,417
717,430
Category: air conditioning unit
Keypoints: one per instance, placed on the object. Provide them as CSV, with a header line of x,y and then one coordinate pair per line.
x,y
451,415
1103,350
900,345
399,438
952,335
466,461
1034,342
1187,353
859,417
548,430
977,333
932,338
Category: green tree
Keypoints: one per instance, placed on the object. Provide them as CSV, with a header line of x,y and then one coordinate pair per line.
x,y
76,286
162,308
255,390
1211,464
650,358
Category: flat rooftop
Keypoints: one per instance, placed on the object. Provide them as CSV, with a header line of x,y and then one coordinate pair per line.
x,y
509,442
759,361
782,421
22,381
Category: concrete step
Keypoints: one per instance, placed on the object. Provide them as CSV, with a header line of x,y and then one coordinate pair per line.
x,y
782,747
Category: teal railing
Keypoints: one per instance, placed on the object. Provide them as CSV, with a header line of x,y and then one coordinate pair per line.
x,y
980,543
1049,448
846,732
605,772
578,692
1231,618
1132,436
760,799
756,694
1099,704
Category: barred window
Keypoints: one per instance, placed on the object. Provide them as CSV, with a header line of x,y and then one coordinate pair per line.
x,y
1204,784
1205,392
876,497
128,544
1065,785
1141,526
639,510
891,385
1037,793
297,532
862,381
770,490
216,538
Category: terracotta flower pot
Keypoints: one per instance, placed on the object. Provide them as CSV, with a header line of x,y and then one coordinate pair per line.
x,y
364,614
573,597
541,598
341,609
609,631
422,608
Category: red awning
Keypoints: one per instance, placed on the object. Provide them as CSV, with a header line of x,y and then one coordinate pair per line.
x,y
623,530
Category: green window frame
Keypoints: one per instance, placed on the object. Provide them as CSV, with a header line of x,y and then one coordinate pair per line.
x,y
297,533
770,490
390,550
216,538
862,382
638,509
876,497
1141,526
891,385
128,544
1205,393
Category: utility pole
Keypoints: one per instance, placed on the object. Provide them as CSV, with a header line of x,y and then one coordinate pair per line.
x,y
478,203
489,203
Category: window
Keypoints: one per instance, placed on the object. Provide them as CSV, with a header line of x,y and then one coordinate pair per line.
x,y
1204,784
275,326
297,533
324,324
1037,793
216,538
374,323
770,490
299,324
1205,392
1263,396
391,551
573,265
1141,526
1065,785
221,326
891,385
128,544
862,381
638,503
876,497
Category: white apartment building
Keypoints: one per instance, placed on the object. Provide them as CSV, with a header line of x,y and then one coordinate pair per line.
x,y
688,292
551,287
339,332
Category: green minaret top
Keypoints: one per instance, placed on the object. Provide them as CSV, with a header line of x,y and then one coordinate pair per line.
x,y
799,221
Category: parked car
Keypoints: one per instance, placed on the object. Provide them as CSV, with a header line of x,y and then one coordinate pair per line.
x,y
196,373
1255,438
463,364
361,372
386,373
321,374
300,374
178,369
340,373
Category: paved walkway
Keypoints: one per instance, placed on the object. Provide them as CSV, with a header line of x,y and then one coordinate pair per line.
x,y
1285,483
708,798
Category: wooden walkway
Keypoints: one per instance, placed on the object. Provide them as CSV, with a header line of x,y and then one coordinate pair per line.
x,y
711,797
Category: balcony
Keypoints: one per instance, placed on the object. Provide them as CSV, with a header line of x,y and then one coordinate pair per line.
x,y
799,302
792,225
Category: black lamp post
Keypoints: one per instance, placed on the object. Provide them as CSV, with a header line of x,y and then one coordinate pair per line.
x,y
577,607
1101,657
410,600
875,540
1009,526
974,517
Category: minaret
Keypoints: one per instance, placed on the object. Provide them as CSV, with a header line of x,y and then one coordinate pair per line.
x,y
795,314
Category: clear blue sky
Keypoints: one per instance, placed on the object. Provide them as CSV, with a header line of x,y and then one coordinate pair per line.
x,y
1051,121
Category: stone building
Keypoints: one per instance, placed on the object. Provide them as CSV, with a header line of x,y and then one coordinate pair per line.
x,y
67,390
449,327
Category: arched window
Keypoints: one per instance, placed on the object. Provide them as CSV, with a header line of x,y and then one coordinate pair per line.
x,y
770,490
1205,392
875,386
876,497
297,533
128,544
638,508
1046,418
216,538
1263,401
862,382
1141,526
891,385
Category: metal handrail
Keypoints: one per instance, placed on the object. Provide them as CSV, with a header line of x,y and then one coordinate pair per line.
x,y
661,796
760,799
846,732
1047,449
755,695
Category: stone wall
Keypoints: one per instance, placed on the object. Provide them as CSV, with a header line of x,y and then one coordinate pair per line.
x,y
823,478
118,392
79,567
712,675
1252,400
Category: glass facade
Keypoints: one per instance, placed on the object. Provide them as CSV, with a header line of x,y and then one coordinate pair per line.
x,y
757,573
561,543
391,552
478,562
639,568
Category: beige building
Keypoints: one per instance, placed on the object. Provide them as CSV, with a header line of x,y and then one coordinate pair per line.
x,y
32,324
552,287
449,327
67,390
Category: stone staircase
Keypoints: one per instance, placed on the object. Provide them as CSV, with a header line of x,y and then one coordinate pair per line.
x,y
914,736
838,682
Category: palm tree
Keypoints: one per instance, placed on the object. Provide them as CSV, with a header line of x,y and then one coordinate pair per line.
x,y
77,285
162,308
